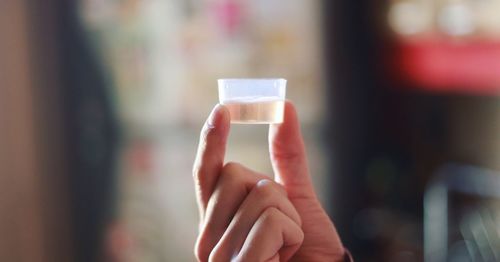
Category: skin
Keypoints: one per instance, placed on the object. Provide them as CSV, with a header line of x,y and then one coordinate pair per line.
x,y
245,216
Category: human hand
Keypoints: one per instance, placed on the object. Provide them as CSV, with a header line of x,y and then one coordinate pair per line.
x,y
244,216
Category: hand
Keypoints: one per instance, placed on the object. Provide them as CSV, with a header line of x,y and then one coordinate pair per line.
x,y
245,216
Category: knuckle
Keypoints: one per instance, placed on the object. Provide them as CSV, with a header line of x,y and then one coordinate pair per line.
x,y
206,132
201,250
301,235
228,172
197,172
265,189
243,258
271,216
217,254
198,178
231,167
298,237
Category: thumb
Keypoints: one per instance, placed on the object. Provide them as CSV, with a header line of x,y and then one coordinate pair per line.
x,y
288,156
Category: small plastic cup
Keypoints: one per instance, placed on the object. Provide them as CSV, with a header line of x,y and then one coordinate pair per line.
x,y
253,101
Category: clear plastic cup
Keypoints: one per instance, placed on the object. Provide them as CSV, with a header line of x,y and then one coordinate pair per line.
x,y
253,101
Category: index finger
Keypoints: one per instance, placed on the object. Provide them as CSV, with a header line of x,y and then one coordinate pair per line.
x,y
210,156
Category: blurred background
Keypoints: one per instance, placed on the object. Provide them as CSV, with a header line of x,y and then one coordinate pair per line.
x,y
101,103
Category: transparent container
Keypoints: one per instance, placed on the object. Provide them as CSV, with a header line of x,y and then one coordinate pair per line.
x,y
253,101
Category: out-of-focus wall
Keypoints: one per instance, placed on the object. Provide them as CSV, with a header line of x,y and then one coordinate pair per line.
x,y
34,216
20,224
163,58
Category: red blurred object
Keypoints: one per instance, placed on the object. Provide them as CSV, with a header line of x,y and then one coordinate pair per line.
x,y
229,15
140,157
444,65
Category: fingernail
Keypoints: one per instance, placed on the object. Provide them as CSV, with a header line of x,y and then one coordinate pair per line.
x,y
214,116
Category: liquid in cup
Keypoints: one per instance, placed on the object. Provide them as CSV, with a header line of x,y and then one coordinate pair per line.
x,y
253,101
258,111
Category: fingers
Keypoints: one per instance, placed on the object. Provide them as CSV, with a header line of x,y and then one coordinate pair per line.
x,y
273,236
210,155
264,194
233,186
288,156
